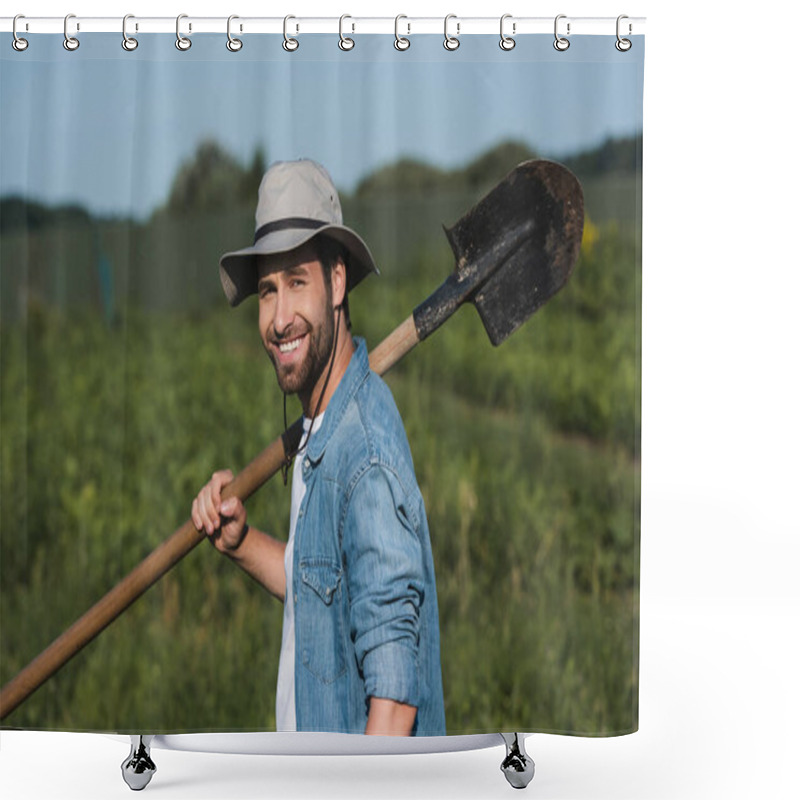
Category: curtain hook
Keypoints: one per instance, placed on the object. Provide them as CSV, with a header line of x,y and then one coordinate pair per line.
x,y
561,43
289,44
507,42
19,44
233,44
181,42
129,43
345,42
70,42
451,42
623,45
400,42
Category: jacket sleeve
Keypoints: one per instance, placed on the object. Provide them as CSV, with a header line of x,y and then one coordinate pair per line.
x,y
385,578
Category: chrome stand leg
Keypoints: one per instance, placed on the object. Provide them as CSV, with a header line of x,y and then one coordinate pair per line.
x,y
138,768
517,766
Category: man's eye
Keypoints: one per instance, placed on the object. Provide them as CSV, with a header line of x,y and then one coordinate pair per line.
x,y
266,290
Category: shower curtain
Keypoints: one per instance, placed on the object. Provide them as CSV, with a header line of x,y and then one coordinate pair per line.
x,y
125,174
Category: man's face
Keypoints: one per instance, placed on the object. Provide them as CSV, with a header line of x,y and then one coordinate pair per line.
x,y
295,317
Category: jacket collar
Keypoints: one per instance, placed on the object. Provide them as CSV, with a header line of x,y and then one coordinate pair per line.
x,y
355,374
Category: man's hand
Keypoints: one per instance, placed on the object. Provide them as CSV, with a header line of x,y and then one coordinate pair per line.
x,y
389,718
225,523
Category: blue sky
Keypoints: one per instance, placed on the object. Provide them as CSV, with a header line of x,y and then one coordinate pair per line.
x,y
108,129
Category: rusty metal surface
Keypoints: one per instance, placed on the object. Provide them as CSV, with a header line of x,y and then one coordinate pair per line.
x,y
514,250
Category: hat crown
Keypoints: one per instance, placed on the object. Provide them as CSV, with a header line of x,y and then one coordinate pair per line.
x,y
297,190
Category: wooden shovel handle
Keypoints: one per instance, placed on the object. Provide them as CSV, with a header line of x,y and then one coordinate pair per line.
x,y
166,555
399,342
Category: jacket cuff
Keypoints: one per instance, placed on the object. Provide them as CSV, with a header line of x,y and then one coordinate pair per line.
x,y
390,672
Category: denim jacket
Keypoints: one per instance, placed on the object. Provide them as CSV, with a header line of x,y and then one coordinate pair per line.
x,y
364,592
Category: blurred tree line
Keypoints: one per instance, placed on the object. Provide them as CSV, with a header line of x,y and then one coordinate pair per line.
x,y
63,256
212,179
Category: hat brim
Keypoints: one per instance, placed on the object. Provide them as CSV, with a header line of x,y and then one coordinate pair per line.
x,y
239,276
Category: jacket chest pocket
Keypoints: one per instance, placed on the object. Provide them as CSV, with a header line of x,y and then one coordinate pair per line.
x,y
320,623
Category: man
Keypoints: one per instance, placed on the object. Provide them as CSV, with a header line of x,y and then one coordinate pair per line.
x,y
360,649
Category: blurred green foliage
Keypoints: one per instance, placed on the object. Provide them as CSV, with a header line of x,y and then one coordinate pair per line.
x,y
212,180
527,456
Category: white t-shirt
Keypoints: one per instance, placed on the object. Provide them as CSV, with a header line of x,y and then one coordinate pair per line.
x,y
285,717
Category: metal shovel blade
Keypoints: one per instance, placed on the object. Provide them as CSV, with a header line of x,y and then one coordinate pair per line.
x,y
519,244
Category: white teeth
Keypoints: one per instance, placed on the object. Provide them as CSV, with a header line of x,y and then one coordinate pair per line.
x,y
289,346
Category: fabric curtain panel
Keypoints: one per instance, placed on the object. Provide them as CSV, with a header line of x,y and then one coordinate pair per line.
x,y
490,568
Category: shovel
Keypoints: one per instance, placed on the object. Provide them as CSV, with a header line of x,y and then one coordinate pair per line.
x,y
514,250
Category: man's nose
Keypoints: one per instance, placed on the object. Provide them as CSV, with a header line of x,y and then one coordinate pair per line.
x,y
284,311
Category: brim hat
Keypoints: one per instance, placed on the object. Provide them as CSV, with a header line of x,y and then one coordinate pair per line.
x,y
296,202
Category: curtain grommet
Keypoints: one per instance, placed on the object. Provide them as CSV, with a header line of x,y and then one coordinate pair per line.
x,y
561,43
451,43
289,44
345,42
401,43
233,44
71,43
623,45
18,43
129,43
507,42
182,42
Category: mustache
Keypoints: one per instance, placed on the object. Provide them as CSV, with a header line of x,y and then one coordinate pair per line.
x,y
292,331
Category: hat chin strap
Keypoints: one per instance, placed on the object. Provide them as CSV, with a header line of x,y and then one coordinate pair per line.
x,y
287,462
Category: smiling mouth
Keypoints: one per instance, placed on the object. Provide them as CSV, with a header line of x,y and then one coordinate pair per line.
x,y
288,347
285,349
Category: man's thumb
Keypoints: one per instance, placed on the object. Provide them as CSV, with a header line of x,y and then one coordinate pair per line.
x,y
228,507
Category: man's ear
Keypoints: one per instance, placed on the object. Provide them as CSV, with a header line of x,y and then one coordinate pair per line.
x,y
338,282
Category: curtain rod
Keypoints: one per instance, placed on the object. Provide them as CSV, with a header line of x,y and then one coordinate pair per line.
x,y
406,26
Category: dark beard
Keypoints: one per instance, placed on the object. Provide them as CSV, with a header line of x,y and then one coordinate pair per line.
x,y
302,378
